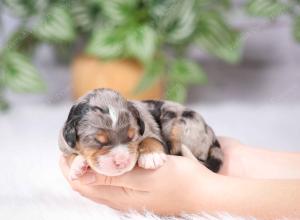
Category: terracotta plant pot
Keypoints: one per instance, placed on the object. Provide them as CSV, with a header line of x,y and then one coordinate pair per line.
x,y
122,75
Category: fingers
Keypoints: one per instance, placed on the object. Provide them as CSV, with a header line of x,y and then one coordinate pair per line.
x,y
105,193
78,167
116,197
64,166
140,179
136,179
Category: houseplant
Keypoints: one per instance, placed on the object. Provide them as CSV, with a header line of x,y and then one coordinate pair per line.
x,y
150,36
155,34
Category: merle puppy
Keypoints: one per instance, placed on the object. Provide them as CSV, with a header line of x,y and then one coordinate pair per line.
x,y
183,128
109,134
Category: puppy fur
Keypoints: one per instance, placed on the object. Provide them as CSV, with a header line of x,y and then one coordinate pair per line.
x,y
103,121
182,126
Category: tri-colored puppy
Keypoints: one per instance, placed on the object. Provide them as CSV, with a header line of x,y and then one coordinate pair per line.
x,y
183,129
110,134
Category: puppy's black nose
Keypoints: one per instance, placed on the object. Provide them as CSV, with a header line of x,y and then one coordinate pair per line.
x,y
182,121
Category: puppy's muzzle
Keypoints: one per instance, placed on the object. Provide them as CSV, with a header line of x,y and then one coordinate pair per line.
x,y
117,161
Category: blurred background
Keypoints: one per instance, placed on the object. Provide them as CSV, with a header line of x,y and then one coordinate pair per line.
x,y
236,62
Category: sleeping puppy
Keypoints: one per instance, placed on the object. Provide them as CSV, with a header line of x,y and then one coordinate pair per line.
x,y
184,130
110,135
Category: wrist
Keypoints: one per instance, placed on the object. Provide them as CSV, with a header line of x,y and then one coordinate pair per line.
x,y
235,157
225,194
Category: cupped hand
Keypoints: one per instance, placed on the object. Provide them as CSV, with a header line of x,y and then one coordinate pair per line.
x,y
176,187
183,185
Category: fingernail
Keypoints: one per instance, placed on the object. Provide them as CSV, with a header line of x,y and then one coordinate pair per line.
x,y
88,178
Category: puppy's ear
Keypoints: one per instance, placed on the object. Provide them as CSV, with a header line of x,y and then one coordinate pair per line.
x,y
136,114
75,115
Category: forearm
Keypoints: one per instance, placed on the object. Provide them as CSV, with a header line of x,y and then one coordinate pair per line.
x,y
246,161
271,164
264,199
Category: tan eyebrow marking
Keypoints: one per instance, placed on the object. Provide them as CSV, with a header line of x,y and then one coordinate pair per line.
x,y
131,132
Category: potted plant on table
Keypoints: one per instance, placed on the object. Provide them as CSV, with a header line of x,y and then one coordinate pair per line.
x,y
139,47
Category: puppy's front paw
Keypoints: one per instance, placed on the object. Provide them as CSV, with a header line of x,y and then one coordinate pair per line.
x,y
152,160
78,167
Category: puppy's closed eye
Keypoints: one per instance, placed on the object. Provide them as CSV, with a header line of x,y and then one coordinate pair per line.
x,y
102,138
102,110
169,115
188,114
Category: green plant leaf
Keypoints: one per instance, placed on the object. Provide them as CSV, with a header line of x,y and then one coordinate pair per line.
x,y
3,102
266,8
187,72
176,19
106,43
216,37
119,11
141,43
81,15
21,39
176,92
205,4
20,7
56,25
153,72
19,74
296,28
85,13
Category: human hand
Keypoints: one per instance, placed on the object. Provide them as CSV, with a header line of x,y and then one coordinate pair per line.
x,y
176,187
184,185
233,164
